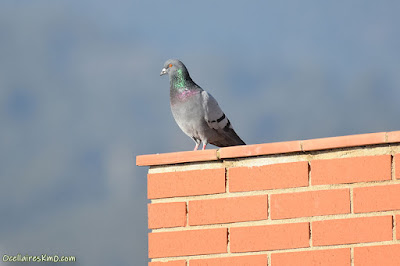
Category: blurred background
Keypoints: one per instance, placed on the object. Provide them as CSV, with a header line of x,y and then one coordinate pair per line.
x,y
81,96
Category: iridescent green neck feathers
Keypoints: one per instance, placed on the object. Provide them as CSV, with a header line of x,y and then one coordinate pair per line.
x,y
178,80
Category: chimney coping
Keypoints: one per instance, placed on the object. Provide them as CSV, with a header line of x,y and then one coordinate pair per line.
x,y
269,148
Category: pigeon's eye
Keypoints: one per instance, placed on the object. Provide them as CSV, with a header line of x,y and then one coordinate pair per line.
x,y
170,65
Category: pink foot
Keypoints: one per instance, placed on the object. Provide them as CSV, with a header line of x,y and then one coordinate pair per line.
x,y
196,147
204,146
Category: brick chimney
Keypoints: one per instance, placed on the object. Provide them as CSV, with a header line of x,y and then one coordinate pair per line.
x,y
331,201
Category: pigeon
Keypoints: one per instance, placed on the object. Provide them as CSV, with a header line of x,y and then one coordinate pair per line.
x,y
196,111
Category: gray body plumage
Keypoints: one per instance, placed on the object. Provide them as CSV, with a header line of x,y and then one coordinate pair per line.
x,y
196,111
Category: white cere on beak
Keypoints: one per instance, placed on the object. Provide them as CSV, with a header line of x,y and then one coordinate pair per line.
x,y
163,71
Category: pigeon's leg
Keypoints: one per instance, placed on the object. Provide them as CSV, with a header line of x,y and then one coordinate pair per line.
x,y
204,145
197,141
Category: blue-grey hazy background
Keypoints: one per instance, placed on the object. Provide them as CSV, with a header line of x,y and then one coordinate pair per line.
x,y
81,96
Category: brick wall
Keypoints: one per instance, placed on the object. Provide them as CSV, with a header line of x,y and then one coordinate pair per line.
x,y
332,201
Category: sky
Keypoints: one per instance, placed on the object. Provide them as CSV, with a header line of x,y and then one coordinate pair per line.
x,y
81,97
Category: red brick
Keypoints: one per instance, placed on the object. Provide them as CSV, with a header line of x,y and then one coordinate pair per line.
x,y
253,260
169,263
268,148
393,136
354,230
378,198
167,214
310,203
189,242
259,149
388,255
329,257
351,170
176,157
228,210
269,237
398,226
186,183
344,141
272,176
397,166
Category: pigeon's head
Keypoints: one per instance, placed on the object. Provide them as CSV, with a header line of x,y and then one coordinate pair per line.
x,y
172,66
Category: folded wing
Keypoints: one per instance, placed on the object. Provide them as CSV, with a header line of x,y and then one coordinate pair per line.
x,y
217,120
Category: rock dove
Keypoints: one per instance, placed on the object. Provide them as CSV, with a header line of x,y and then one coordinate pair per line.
x,y
196,111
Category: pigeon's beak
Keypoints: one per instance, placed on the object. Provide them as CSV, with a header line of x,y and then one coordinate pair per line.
x,y
163,71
